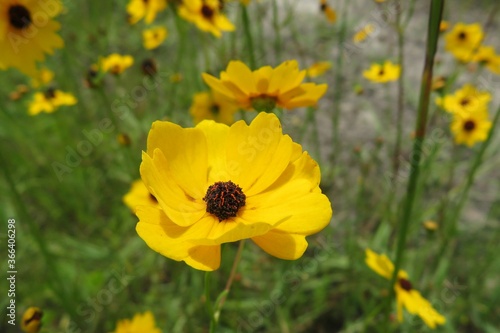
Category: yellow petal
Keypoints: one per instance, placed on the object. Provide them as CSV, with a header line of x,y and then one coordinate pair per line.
x,y
286,77
282,245
205,258
217,85
379,263
241,76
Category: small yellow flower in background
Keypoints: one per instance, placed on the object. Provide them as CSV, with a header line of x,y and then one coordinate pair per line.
x,y
463,40
465,100
152,38
217,184
116,63
486,56
19,92
438,82
329,12
43,78
138,195
406,296
266,88
318,68
124,140
176,78
141,323
20,47
363,33
383,73
470,128
149,67
49,101
206,15
212,106
147,9
32,320
430,225
444,25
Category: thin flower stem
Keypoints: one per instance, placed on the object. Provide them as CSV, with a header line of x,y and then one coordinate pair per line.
x,y
436,11
248,36
400,103
233,271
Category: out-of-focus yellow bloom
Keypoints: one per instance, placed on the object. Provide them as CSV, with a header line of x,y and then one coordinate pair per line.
x,y
43,78
32,320
438,83
141,323
139,195
471,127
147,9
50,101
444,25
318,68
330,13
123,139
487,57
406,296
463,40
465,100
152,38
20,91
206,15
24,38
430,225
383,73
363,33
116,63
176,78
212,106
265,88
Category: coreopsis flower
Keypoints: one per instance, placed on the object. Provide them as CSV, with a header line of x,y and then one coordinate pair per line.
x,y
465,100
382,73
212,106
363,33
139,195
217,184
266,88
49,101
141,323
463,40
430,225
444,26
28,33
144,9
43,78
486,56
470,128
406,296
206,15
438,83
116,63
32,320
152,38
19,92
329,12
318,68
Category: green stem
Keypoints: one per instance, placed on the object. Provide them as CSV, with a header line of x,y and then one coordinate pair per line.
x,y
436,11
248,36
277,33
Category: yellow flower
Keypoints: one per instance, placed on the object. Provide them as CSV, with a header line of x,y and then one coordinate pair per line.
x,y
266,88
487,56
206,15
152,38
362,34
382,73
430,225
217,184
318,68
444,25
212,106
463,40
28,33
406,296
116,63
147,9
32,320
141,323
50,101
438,82
44,77
329,12
465,100
470,128
139,196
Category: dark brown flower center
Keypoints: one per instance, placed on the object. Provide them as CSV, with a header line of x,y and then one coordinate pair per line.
x,y
464,101
224,199
207,12
462,36
148,67
405,284
215,109
323,7
50,93
152,197
469,125
381,72
19,17
37,316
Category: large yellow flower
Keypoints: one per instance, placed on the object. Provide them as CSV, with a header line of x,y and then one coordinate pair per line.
x,y
406,296
266,88
206,15
28,33
212,106
470,128
465,100
217,184
139,195
141,323
147,9
49,101
382,73
463,40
